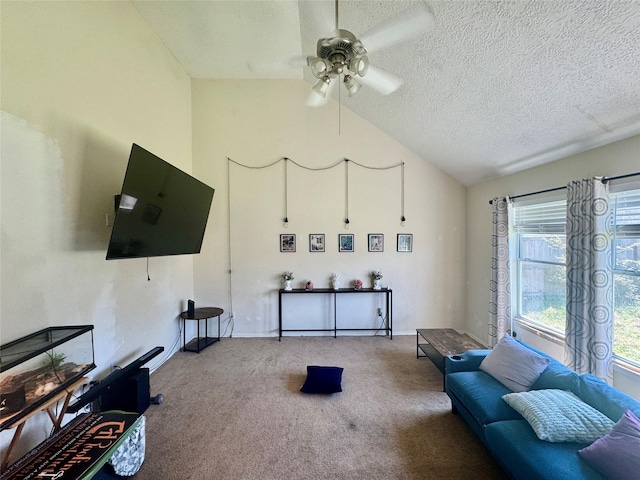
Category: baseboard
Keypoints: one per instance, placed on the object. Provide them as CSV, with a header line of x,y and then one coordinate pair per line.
x,y
341,334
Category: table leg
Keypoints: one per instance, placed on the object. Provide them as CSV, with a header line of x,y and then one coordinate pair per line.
x,y
63,411
14,440
335,316
279,316
390,313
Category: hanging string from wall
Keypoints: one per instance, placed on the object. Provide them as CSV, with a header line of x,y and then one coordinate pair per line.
x,y
286,193
346,194
346,161
402,219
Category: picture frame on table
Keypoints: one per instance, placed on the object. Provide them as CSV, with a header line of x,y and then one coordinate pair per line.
x,y
316,242
287,242
405,242
376,242
345,242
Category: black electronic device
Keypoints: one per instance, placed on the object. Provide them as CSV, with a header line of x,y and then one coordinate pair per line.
x,y
191,308
161,210
133,394
116,379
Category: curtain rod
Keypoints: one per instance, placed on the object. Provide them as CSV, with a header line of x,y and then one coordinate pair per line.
x,y
604,180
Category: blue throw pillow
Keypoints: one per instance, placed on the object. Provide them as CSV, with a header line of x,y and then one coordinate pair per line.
x,y
323,380
560,377
617,454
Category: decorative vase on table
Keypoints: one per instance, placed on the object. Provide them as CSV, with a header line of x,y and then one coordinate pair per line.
x,y
376,276
287,277
335,281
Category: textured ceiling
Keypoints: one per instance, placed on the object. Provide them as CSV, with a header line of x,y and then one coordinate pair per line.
x,y
493,88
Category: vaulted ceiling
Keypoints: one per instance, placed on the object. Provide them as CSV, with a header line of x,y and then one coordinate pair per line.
x,y
493,88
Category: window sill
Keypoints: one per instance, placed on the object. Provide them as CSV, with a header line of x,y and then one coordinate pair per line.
x,y
558,338
539,330
626,365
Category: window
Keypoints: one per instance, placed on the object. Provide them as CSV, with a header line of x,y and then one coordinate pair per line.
x,y
540,269
626,274
540,263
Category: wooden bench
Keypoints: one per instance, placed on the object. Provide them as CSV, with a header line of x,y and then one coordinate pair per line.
x,y
437,343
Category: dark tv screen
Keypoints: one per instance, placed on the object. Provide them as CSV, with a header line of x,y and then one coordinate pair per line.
x,y
161,211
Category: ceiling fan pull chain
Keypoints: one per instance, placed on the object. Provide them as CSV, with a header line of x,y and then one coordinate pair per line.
x,y
339,112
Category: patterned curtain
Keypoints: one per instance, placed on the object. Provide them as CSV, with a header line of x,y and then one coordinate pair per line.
x,y
500,289
589,328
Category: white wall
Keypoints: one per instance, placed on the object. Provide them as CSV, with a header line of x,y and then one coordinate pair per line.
x,y
258,122
82,81
618,158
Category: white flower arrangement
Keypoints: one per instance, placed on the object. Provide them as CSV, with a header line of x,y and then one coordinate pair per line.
x,y
287,276
376,274
335,277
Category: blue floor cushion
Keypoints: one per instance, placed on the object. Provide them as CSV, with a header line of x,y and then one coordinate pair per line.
x,y
323,380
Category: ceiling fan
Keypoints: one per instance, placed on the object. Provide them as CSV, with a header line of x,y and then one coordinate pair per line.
x,y
342,57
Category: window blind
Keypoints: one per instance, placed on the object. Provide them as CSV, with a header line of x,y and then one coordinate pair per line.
x,y
626,208
547,217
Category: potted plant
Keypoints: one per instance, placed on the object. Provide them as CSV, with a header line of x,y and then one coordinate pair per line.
x,y
287,277
54,360
376,275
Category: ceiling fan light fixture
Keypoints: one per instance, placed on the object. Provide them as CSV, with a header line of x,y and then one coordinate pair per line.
x,y
359,65
322,87
319,66
352,85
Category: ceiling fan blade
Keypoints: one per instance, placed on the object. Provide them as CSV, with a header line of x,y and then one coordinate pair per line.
x,y
297,61
381,81
315,100
289,68
408,24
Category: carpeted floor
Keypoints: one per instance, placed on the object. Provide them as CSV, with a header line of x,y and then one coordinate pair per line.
x,y
235,411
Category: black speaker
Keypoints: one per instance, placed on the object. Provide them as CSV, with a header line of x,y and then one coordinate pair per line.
x,y
191,308
131,394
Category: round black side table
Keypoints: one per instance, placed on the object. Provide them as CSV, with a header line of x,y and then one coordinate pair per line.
x,y
200,343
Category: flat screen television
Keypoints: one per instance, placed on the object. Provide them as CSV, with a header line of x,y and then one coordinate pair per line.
x,y
161,210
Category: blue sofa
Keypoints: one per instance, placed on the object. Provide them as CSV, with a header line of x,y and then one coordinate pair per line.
x,y
477,397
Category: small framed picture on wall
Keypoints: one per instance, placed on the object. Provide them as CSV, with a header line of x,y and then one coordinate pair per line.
x,y
405,242
376,242
316,242
287,242
345,242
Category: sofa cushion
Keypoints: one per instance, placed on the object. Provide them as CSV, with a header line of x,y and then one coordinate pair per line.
x,y
514,365
525,457
558,376
610,401
559,415
617,454
481,394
